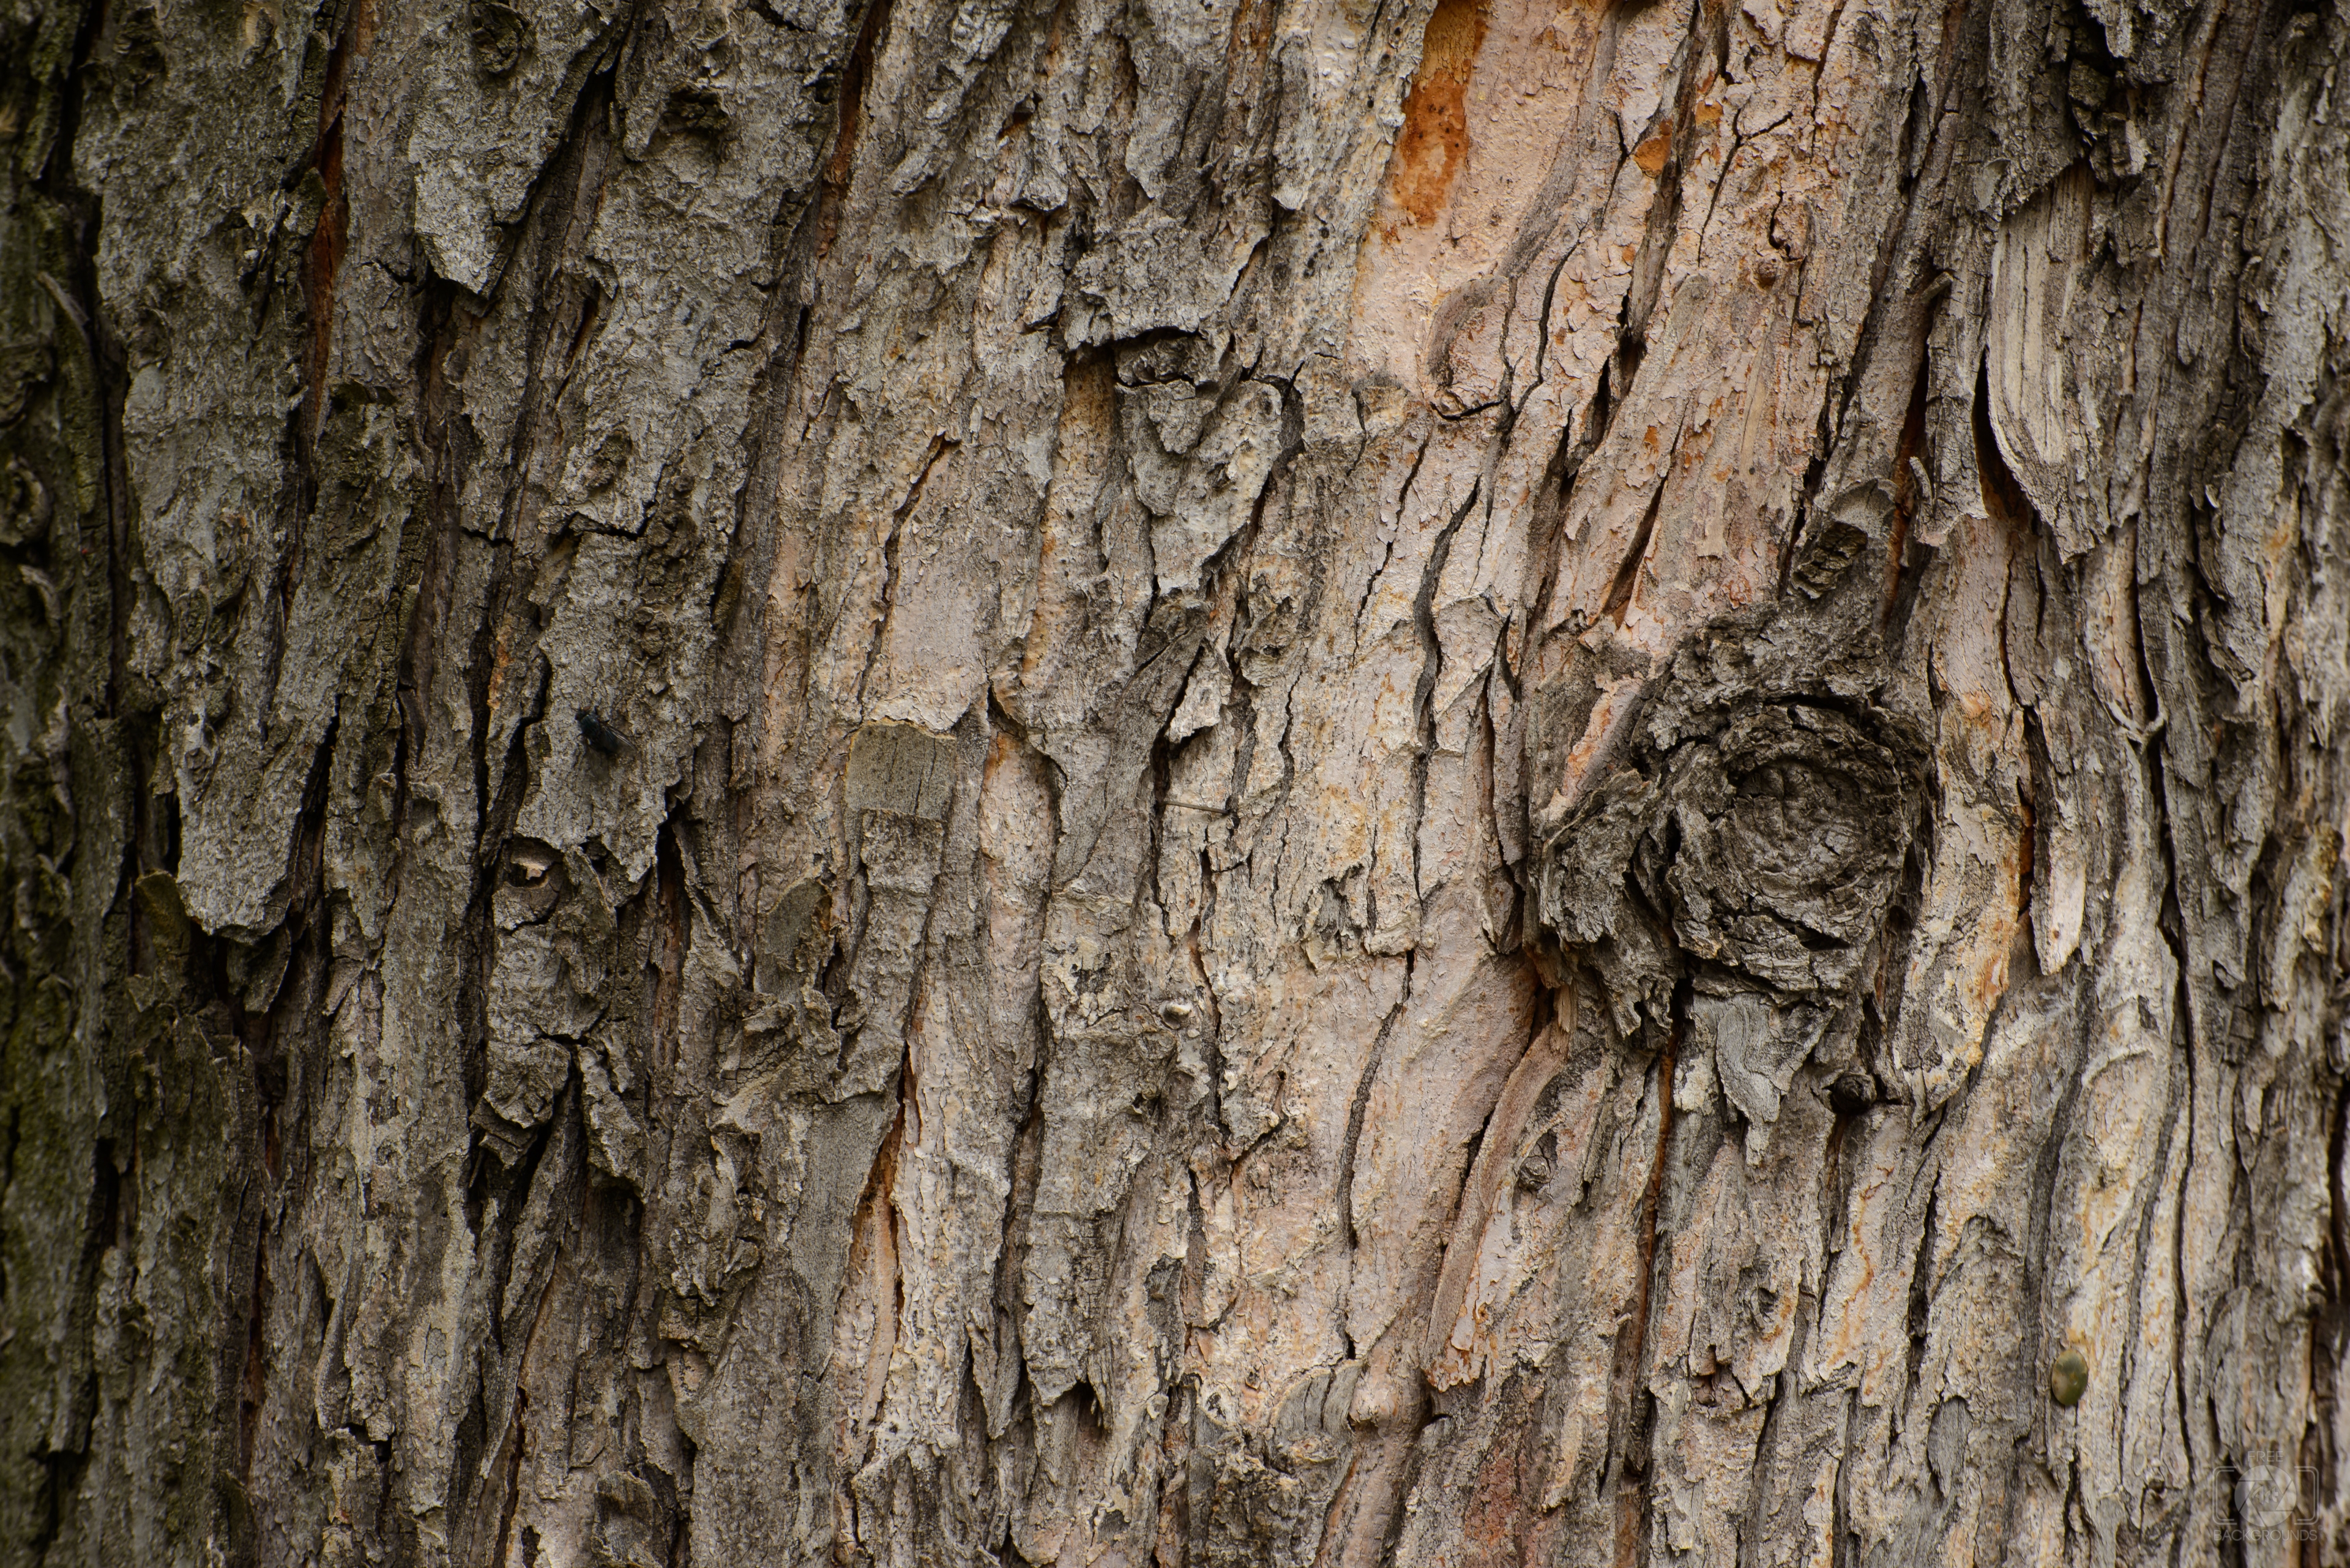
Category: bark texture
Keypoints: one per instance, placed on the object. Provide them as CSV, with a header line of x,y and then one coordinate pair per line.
x,y
1174,782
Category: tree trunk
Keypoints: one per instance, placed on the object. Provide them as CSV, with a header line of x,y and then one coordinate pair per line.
x,y
1269,781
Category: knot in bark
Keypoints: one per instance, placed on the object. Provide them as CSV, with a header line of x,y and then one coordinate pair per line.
x,y
1747,841
1773,850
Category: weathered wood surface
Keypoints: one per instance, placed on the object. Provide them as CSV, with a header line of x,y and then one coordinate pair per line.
x,y
1198,782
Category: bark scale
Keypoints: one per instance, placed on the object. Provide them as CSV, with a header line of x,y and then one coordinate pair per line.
x,y
1278,781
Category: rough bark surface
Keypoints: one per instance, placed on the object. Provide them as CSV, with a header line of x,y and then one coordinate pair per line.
x,y
1174,782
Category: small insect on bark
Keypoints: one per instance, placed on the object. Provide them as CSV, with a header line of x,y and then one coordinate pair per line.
x,y
2068,1379
598,735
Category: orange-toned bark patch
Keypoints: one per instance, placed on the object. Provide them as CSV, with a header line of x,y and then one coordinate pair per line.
x,y
1434,142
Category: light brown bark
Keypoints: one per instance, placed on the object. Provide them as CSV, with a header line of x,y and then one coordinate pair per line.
x,y
1268,781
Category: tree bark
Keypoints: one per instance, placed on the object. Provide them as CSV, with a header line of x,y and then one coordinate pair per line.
x,y
1261,781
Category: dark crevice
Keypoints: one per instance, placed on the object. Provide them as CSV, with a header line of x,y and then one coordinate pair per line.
x,y
833,187
2002,492
476,945
1910,496
252,1385
1631,1407
1648,266
1823,441
939,446
672,914
681,1515
1356,1109
512,1502
1556,493
1431,665
1627,575
1921,1294
1784,1394
61,1474
2171,926
104,363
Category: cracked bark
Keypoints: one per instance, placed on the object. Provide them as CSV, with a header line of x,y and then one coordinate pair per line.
x,y
1275,783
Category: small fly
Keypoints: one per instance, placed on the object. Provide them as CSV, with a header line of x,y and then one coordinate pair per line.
x,y
608,741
